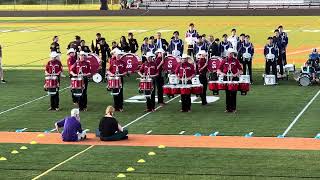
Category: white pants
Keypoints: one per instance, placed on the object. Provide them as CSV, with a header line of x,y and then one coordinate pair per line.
x,y
81,135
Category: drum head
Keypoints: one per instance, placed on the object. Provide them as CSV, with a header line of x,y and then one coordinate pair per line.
x,y
304,80
170,63
94,61
213,63
132,62
97,78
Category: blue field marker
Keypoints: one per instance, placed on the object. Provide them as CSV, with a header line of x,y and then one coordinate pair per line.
x,y
21,130
317,136
280,136
214,134
197,134
250,134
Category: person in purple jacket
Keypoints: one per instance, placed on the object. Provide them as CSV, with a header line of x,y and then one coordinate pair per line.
x,y
71,125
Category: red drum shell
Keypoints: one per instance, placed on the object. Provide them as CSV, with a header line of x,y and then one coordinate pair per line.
x,y
167,89
51,82
77,83
95,62
197,89
145,84
114,83
213,86
185,90
175,90
233,86
244,87
222,86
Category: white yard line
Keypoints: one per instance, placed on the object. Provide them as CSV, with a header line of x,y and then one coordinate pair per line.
x,y
72,157
182,132
29,102
63,162
300,114
149,132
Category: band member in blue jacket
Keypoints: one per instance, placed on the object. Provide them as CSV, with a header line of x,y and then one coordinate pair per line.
x,y
247,51
281,47
224,45
151,46
191,34
285,40
200,45
271,54
176,44
144,49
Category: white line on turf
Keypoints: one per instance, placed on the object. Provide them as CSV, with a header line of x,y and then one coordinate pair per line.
x,y
26,103
182,132
149,132
72,157
300,114
63,162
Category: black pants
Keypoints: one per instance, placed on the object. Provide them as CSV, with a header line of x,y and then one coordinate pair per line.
x,y
231,100
74,99
159,82
247,65
204,81
151,101
103,68
271,67
186,101
284,57
83,99
54,100
104,5
280,62
116,137
118,99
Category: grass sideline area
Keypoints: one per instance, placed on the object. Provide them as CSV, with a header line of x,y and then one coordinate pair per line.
x,y
51,7
266,110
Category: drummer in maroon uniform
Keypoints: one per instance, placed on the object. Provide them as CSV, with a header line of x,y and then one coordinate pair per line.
x,y
160,79
117,68
72,58
230,68
149,70
202,70
54,67
185,72
82,67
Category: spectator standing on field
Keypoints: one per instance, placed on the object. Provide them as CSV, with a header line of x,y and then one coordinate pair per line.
x,y
1,69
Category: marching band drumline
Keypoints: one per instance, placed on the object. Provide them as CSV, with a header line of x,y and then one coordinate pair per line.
x,y
190,73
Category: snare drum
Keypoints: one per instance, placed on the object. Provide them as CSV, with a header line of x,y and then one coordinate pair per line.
x,y
185,90
51,84
167,89
77,86
233,86
114,82
197,89
213,86
145,85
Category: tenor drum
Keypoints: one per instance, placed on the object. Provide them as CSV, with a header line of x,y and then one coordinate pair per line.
x,y
213,86
167,89
195,80
197,89
185,89
233,86
145,84
51,84
244,88
173,79
304,80
222,85
176,89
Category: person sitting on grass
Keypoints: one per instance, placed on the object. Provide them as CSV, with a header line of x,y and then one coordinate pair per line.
x,y
71,125
110,129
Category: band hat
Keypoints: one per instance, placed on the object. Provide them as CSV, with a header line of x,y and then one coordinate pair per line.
x,y
116,51
160,50
149,54
71,50
231,50
185,56
54,54
202,52
82,53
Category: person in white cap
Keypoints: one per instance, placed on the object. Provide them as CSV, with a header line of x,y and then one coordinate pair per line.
x,y
159,60
185,72
72,130
72,59
82,68
230,68
149,70
54,68
117,68
202,63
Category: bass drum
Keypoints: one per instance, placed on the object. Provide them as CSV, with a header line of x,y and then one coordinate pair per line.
x,y
95,62
304,80
213,63
132,62
170,64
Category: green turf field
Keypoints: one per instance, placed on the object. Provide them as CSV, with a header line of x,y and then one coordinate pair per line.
x,y
267,111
